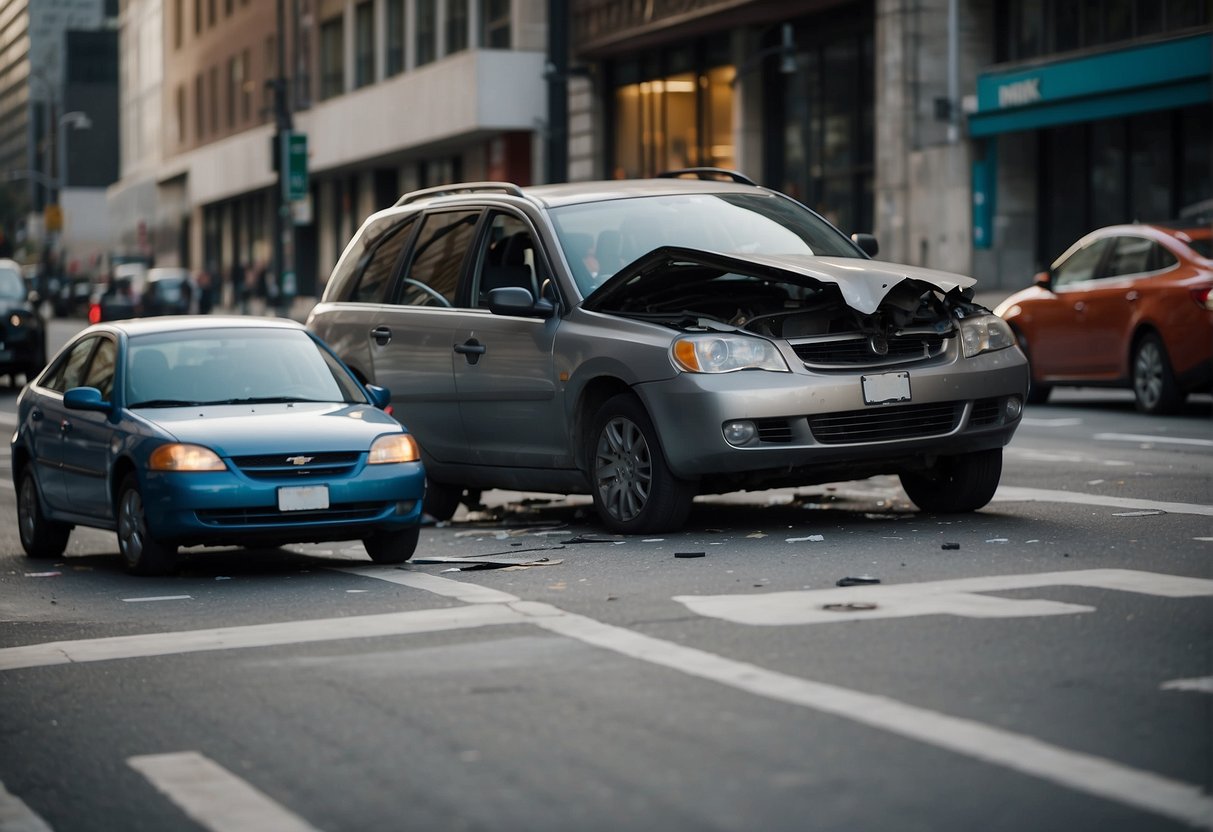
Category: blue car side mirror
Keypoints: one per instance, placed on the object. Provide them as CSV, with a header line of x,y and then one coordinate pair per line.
x,y
86,398
380,396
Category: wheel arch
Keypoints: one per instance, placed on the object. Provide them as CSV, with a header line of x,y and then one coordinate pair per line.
x,y
593,395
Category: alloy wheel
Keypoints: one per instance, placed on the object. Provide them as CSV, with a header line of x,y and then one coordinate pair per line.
x,y
623,468
132,529
1148,370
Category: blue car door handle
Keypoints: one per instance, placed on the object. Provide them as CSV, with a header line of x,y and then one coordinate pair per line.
x,y
472,349
65,426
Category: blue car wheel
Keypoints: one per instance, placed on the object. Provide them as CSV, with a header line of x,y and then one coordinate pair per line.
x,y
41,538
144,555
392,547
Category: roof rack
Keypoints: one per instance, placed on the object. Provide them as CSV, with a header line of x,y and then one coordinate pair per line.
x,y
708,173
462,188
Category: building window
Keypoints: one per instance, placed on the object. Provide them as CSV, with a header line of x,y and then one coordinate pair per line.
x,y
246,87
179,95
495,24
394,64
199,106
233,89
228,7
675,119
214,100
332,75
456,26
210,12
364,44
271,72
1026,29
427,24
197,17
178,23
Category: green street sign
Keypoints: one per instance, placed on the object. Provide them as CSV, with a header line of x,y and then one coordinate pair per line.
x,y
295,151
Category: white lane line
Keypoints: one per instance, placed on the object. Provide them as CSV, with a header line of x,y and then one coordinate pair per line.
x,y
256,635
952,597
1078,771
157,598
1203,684
1015,494
1050,423
468,593
15,816
214,797
1153,439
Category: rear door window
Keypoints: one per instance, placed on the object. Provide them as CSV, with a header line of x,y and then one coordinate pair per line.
x,y
376,276
1131,255
432,277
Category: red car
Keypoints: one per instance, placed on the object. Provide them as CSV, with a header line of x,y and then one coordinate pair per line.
x,y
1125,306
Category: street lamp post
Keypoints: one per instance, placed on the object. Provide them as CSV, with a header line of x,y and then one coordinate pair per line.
x,y
78,120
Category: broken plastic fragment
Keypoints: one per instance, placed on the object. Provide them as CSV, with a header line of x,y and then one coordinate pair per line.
x,y
690,554
862,580
853,606
950,546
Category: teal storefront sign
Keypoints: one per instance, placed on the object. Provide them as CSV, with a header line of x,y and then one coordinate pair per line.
x,y
1155,76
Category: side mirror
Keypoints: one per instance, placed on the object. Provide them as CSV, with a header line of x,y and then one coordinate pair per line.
x,y
380,396
1042,279
86,398
867,244
514,300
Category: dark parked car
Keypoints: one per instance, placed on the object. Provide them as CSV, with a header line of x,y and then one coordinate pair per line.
x,y
72,298
647,341
168,291
1125,306
210,431
22,330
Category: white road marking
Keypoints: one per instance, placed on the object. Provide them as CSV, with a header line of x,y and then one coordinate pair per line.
x,y
1069,422
954,597
15,816
157,598
1015,494
256,635
214,797
1203,684
1153,439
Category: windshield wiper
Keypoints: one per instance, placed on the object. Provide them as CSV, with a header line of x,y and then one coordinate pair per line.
x,y
263,400
165,403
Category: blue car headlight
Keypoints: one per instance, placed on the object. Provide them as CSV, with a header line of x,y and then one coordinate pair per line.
x,y
178,456
985,333
724,353
393,447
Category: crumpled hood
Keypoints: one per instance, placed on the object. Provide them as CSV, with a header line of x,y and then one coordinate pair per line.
x,y
863,283
242,430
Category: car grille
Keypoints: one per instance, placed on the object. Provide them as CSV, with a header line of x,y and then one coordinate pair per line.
x,y
986,412
855,351
279,466
885,423
270,516
773,430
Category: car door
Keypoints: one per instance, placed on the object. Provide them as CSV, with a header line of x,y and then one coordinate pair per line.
x,y
1108,307
88,437
50,420
1057,343
411,336
503,364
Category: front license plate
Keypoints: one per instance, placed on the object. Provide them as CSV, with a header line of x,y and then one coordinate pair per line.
x,y
886,387
303,497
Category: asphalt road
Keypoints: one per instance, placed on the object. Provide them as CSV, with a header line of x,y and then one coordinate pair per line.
x,y
1051,670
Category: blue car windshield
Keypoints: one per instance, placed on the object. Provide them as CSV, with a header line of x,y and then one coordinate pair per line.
x,y
599,238
233,366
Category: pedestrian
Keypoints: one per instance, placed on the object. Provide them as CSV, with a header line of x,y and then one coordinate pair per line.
x,y
206,300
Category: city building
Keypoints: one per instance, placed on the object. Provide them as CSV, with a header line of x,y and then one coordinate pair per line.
x,y
58,133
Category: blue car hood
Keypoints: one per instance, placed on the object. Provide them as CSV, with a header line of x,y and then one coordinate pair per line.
x,y
242,430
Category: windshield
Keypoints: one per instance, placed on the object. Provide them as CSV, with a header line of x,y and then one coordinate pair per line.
x,y
233,366
12,287
599,238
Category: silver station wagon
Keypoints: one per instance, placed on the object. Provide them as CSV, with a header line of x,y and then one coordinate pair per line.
x,y
647,341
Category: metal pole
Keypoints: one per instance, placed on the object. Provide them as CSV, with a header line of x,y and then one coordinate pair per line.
x,y
953,71
284,227
558,92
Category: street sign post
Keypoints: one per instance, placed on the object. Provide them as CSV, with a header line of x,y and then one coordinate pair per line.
x,y
295,152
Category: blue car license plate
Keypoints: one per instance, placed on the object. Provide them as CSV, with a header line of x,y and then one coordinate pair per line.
x,y
303,497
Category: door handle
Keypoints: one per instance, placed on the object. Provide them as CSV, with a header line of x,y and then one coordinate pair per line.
x,y
382,335
1132,295
471,349
65,426
36,415
1079,306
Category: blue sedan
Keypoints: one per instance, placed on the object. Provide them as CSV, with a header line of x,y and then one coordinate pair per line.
x,y
191,431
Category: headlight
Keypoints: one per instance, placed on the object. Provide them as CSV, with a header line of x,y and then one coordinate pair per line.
x,y
16,320
395,447
724,353
178,457
986,333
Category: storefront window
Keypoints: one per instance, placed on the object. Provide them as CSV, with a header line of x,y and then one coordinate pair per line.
x,y
1027,29
672,121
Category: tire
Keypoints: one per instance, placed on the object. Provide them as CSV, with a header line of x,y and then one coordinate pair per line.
x,y
441,500
1154,386
40,538
392,547
1037,393
955,484
634,490
144,555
